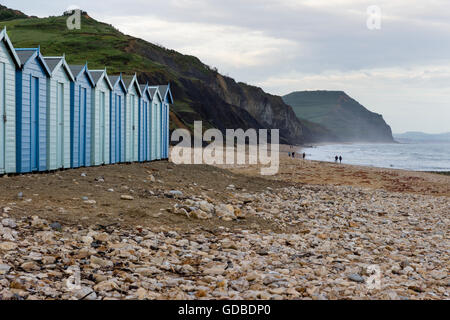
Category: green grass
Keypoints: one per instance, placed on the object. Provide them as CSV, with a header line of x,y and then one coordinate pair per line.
x,y
98,43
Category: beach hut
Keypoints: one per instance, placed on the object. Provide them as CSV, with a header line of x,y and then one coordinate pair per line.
x,y
58,113
144,124
155,123
80,116
117,119
133,97
167,98
31,111
9,63
100,118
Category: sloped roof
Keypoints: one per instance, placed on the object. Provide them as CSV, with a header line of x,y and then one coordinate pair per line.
x,y
165,91
52,62
117,78
145,90
114,79
96,75
76,69
154,90
25,55
129,80
4,37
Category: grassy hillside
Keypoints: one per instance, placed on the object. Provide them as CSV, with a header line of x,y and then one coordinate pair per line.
x,y
344,117
197,88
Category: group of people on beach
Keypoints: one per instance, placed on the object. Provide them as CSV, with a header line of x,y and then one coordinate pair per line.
x,y
293,154
336,159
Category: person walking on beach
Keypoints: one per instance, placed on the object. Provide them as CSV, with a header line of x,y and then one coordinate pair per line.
x,y
336,159
293,155
304,156
340,159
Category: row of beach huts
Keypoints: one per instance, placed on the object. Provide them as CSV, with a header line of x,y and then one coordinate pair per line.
x,y
58,116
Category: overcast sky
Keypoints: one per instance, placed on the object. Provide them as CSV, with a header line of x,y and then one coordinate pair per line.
x,y
401,71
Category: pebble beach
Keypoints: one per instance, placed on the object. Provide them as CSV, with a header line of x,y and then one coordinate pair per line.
x,y
161,231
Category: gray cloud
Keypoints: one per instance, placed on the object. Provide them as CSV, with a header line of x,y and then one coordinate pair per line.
x,y
401,71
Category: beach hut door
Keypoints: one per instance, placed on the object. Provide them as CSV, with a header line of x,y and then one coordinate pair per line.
x,y
118,101
82,127
34,133
133,106
60,125
102,127
3,117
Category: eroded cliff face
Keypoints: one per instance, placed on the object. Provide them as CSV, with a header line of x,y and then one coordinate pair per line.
x,y
345,118
269,110
221,101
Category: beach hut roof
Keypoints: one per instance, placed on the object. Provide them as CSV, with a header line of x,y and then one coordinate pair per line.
x,y
145,90
55,62
118,79
99,75
77,70
25,55
130,81
166,92
154,90
4,37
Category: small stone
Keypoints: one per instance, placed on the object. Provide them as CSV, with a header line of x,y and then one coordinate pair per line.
x,y
356,278
148,272
10,223
20,195
111,190
4,269
7,246
56,226
90,201
175,193
30,266
214,271
86,293
101,262
84,198
83,174
126,197
106,286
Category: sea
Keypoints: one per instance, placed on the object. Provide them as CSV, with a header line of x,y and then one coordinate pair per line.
x,y
417,156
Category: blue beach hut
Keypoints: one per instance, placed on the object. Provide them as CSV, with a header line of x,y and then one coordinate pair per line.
x,y
167,98
133,97
144,125
117,119
31,111
155,123
100,127
80,116
9,63
58,113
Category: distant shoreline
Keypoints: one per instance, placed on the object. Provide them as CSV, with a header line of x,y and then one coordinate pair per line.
x,y
374,160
